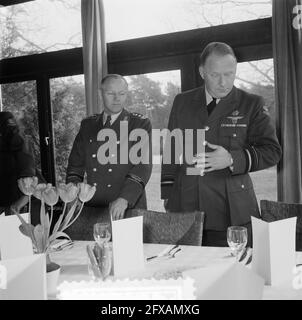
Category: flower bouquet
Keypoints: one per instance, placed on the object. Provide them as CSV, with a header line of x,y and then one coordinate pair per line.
x,y
73,197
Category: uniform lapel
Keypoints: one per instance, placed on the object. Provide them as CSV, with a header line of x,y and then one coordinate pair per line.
x,y
97,126
225,106
199,107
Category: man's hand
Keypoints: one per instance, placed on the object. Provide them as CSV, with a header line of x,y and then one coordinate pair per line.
x,y
117,208
218,159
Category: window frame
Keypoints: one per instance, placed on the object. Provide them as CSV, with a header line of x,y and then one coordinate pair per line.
x,y
251,40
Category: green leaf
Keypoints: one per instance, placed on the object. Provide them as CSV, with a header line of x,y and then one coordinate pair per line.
x,y
44,220
42,213
69,216
57,235
58,223
27,229
39,235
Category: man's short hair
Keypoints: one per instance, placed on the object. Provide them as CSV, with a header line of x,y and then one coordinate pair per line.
x,y
112,76
218,48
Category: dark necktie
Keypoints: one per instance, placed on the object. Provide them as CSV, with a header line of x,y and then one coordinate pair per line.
x,y
211,106
107,123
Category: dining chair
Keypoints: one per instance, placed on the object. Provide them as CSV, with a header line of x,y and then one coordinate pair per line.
x,y
170,228
273,211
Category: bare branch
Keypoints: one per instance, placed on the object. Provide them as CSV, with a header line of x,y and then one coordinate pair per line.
x,y
34,45
255,84
265,74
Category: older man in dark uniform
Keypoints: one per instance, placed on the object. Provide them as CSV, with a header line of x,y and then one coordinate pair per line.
x,y
101,152
240,138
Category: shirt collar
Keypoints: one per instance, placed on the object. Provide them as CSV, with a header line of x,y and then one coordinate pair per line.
x,y
209,98
113,117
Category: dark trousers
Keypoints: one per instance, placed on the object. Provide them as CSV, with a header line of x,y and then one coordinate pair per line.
x,y
211,238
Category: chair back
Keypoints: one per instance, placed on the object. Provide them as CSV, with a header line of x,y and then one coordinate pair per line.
x,y
170,228
273,211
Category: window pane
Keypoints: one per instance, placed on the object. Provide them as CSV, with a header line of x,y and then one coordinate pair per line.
x,y
258,77
140,18
152,95
20,99
40,26
69,108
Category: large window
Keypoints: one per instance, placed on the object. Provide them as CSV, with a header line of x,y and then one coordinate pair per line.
x,y
152,95
49,25
20,99
69,108
258,77
40,26
141,18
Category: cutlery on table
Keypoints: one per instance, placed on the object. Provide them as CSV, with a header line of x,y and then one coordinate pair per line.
x,y
164,253
249,260
61,245
172,255
243,254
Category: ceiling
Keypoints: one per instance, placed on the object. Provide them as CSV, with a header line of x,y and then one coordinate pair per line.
x,y
12,2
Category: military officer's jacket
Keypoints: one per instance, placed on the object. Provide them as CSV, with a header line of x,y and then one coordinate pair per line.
x,y
242,126
106,168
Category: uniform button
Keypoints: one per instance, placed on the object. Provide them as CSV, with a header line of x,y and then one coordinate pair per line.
x,y
95,184
94,155
242,186
234,135
113,155
207,128
110,170
109,185
90,140
94,169
117,142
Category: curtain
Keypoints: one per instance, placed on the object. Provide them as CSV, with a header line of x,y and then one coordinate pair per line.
x,y
94,52
287,51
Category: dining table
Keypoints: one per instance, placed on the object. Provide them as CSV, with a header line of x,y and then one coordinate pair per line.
x,y
74,265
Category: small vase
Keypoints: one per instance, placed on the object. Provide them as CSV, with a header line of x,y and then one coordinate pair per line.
x,y
52,276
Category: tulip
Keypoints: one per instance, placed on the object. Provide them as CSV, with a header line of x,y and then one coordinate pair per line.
x,y
27,185
50,195
86,192
68,192
39,189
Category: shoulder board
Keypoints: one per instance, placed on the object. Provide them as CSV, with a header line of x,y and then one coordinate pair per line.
x,y
138,115
92,117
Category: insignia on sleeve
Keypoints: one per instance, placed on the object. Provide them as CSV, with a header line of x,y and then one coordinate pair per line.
x,y
93,117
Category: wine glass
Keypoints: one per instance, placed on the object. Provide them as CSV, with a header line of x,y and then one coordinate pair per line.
x,y
237,239
101,233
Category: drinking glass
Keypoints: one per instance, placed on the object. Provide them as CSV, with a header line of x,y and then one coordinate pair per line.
x,y
237,239
101,233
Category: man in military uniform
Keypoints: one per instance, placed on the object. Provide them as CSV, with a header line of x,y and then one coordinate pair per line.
x,y
240,138
119,184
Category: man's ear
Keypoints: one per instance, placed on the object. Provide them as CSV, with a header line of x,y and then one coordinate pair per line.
x,y
201,71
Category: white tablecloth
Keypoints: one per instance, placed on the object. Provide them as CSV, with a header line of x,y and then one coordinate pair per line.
x,y
74,261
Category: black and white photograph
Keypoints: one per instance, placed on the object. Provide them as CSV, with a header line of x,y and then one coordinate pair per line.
x,y
150,150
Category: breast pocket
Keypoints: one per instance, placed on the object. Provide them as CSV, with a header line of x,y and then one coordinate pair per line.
x,y
233,138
